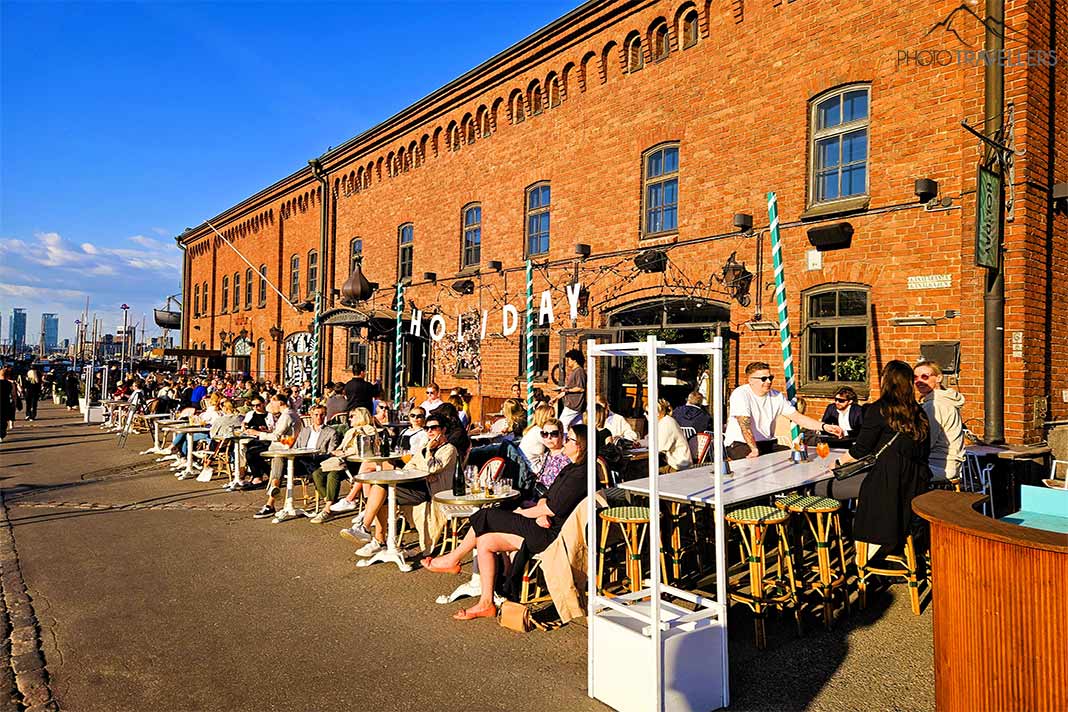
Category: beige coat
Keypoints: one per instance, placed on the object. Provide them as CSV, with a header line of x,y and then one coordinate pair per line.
x,y
564,564
442,465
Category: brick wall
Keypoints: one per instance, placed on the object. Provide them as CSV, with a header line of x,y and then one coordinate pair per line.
x,y
737,103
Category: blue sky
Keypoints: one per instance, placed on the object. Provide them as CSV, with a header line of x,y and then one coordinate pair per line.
x,y
123,123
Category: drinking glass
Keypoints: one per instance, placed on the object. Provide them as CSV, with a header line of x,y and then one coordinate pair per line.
x,y
823,448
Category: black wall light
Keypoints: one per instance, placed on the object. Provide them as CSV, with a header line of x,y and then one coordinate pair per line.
x,y
495,265
431,277
926,189
463,286
651,261
836,236
582,250
743,221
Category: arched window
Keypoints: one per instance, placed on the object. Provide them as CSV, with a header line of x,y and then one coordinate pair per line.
x,y
405,248
635,60
517,108
661,45
248,288
225,295
313,272
838,153
553,89
690,31
355,252
660,196
263,285
535,99
196,300
294,278
538,204
237,291
472,235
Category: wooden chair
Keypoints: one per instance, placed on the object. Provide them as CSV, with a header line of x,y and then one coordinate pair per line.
x,y
905,567
632,522
458,516
821,515
702,447
779,591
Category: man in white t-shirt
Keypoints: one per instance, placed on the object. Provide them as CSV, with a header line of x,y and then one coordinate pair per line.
x,y
433,399
752,412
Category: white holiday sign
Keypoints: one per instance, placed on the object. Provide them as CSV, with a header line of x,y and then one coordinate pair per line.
x,y
509,316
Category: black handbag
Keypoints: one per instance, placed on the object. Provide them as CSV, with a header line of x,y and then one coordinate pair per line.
x,y
864,464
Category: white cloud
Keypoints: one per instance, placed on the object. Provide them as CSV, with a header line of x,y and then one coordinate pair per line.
x,y
161,231
25,291
146,242
51,250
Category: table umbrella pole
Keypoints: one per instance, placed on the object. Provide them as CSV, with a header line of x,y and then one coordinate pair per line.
x,y
530,341
780,300
398,347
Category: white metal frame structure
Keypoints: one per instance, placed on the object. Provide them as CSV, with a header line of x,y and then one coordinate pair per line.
x,y
656,618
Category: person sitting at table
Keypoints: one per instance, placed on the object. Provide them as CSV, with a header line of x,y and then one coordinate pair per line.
x,y
673,444
337,402
619,428
552,437
531,444
457,402
497,531
513,419
180,442
846,414
432,398
413,437
286,424
754,406
884,494
455,432
360,423
942,406
333,470
438,458
692,414
316,436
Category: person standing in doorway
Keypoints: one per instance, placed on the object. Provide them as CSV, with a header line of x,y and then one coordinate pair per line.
x,y
573,392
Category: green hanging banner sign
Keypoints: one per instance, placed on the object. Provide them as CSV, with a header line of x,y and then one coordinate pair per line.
x,y
988,219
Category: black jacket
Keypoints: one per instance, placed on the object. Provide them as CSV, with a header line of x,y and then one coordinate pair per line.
x,y
856,418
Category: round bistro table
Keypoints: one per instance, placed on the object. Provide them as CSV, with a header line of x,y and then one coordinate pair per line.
x,y
473,586
390,479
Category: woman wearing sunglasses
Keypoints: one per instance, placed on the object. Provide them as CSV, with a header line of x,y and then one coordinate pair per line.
x,y
495,531
552,437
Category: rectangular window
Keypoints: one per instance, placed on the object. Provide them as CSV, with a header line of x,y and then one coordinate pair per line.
x,y
313,272
839,152
225,295
263,285
836,347
472,241
661,194
538,202
204,295
248,288
237,291
541,354
294,278
355,253
357,350
406,238
196,300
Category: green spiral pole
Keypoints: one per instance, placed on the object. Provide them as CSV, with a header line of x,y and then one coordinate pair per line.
x,y
780,300
317,348
530,341
398,348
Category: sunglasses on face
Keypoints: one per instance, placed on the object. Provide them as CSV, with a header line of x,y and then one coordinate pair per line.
x,y
924,376
413,416
550,433
764,379
842,400
433,427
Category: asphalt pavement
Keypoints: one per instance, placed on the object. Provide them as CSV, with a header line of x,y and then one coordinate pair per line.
x,y
154,593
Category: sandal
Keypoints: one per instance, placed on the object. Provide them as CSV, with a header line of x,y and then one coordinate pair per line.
x,y
466,614
427,564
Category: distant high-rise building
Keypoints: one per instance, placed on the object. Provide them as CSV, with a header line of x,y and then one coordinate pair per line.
x,y
18,330
50,332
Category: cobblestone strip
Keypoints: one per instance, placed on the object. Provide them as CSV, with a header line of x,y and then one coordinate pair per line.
x,y
21,651
200,507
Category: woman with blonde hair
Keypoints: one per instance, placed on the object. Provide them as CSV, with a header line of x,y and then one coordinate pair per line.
x,y
361,422
31,393
531,444
672,441
513,419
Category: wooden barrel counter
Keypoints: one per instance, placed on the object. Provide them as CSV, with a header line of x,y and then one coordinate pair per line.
x,y
1000,600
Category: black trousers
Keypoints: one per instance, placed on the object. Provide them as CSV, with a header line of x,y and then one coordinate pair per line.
x,y
31,406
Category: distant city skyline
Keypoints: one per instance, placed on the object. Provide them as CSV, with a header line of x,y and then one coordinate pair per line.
x,y
50,331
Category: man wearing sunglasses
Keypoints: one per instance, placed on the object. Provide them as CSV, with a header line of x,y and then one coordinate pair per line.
x,y
943,406
845,413
752,412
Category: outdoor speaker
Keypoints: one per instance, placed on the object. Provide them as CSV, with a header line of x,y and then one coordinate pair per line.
x,y
651,261
945,353
838,236
926,189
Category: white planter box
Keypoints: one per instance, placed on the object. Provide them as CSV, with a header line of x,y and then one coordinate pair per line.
x,y
94,414
624,668
83,405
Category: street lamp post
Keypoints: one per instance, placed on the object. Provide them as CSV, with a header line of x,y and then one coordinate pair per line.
x,y
125,337
77,341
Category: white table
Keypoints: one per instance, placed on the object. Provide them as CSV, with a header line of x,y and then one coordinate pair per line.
x,y
288,511
390,479
239,440
750,479
188,432
472,587
155,419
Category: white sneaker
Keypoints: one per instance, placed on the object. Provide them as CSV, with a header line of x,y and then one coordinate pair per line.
x,y
357,533
370,548
342,506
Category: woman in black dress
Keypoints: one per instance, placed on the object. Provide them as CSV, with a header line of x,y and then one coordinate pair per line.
x,y
884,495
496,531
8,395
70,389
31,391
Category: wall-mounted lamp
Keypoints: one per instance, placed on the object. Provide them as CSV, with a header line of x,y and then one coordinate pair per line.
x,y
743,221
305,306
276,333
920,320
763,325
582,250
651,261
926,189
1059,193
837,236
431,277
494,266
463,286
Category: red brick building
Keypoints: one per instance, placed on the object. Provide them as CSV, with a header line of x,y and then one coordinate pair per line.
x,y
634,126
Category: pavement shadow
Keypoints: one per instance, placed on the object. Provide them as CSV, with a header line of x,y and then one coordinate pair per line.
x,y
68,441
125,508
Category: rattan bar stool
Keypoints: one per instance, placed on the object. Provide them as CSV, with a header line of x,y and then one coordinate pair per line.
x,y
904,567
821,515
632,522
779,591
